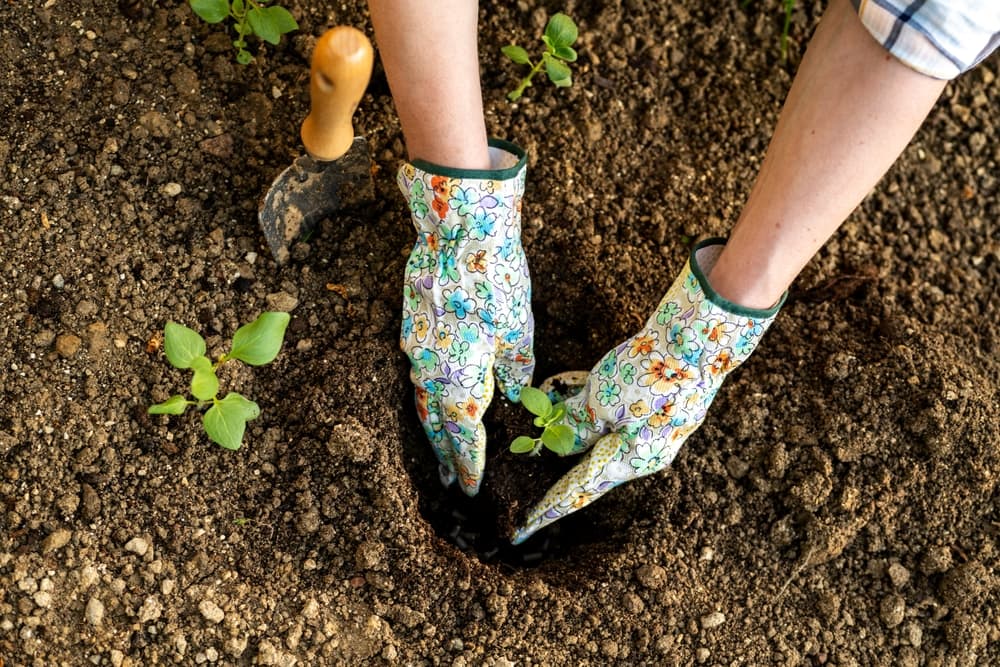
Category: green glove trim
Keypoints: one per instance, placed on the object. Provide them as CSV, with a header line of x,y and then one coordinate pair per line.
x,y
718,299
481,174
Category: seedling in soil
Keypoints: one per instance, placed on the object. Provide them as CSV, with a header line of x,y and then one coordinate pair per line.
x,y
789,7
557,437
256,343
560,33
250,17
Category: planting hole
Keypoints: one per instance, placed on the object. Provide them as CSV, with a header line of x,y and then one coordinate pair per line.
x,y
480,526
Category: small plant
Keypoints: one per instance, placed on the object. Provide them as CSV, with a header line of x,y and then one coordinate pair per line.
x,y
256,343
557,437
788,6
251,17
560,33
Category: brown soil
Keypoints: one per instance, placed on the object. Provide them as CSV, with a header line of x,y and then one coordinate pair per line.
x,y
838,507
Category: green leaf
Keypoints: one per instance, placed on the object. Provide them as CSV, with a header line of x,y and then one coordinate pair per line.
x,y
559,438
239,7
204,384
558,72
259,342
567,53
226,421
561,31
262,26
270,23
536,401
243,57
210,11
558,412
282,19
522,445
175,405
182,345
517,54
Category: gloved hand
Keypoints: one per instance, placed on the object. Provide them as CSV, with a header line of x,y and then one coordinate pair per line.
x,y
467,303
646,396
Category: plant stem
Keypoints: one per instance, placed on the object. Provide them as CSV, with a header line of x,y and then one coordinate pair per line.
x,y
526,81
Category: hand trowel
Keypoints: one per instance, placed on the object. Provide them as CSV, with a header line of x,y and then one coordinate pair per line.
x,y
335,173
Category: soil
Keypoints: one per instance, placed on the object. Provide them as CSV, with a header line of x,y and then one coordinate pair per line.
x,y
838,507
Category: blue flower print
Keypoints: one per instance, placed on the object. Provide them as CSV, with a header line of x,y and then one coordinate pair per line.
x,y
481,225
459,352
608,393
683,343
463,200
457,301
608,364
467,332
649,457
667,311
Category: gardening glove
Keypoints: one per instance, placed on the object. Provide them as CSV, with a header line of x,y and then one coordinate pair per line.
x,y
466,303
645,397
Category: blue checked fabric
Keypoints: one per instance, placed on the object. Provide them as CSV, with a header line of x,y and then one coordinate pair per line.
x,y
939,38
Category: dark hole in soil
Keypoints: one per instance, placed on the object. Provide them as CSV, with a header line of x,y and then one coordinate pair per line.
x,y
480,526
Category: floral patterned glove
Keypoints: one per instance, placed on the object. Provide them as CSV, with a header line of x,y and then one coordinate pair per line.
x,y
467,303
646,396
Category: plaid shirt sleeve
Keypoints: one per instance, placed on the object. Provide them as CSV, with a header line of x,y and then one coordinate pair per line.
x,y
939,38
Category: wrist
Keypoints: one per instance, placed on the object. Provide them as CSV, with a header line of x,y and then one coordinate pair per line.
x,y
738,286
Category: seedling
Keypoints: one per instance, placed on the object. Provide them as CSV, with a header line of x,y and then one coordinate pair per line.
x,y
557,437
251,17
256,343
789,8
560,33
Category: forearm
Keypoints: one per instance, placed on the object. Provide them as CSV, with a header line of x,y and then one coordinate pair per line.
x,y
850,112
431,59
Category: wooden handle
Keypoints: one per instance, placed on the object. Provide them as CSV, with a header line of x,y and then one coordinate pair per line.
x,y
341,67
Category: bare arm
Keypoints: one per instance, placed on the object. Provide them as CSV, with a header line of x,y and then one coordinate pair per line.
x,y
431,58
850,112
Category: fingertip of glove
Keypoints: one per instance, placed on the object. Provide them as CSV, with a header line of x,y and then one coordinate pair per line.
x,y
470,491
519,536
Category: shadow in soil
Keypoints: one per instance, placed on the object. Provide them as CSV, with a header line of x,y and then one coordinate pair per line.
x,y
480,526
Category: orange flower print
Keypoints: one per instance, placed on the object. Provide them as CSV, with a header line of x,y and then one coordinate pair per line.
x,y
469,480
421,401
722,363
664,416
639,409
469,408
443,336
642,345
441,185
477,262
442,191
664,374
440,207
711,331
421,325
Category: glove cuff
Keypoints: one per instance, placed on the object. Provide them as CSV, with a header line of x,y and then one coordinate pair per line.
x,y
507,159
703,257
467,205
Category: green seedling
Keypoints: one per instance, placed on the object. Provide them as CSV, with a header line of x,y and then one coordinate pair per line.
x,y
250,17
555,436
256,343
788,6
560,33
